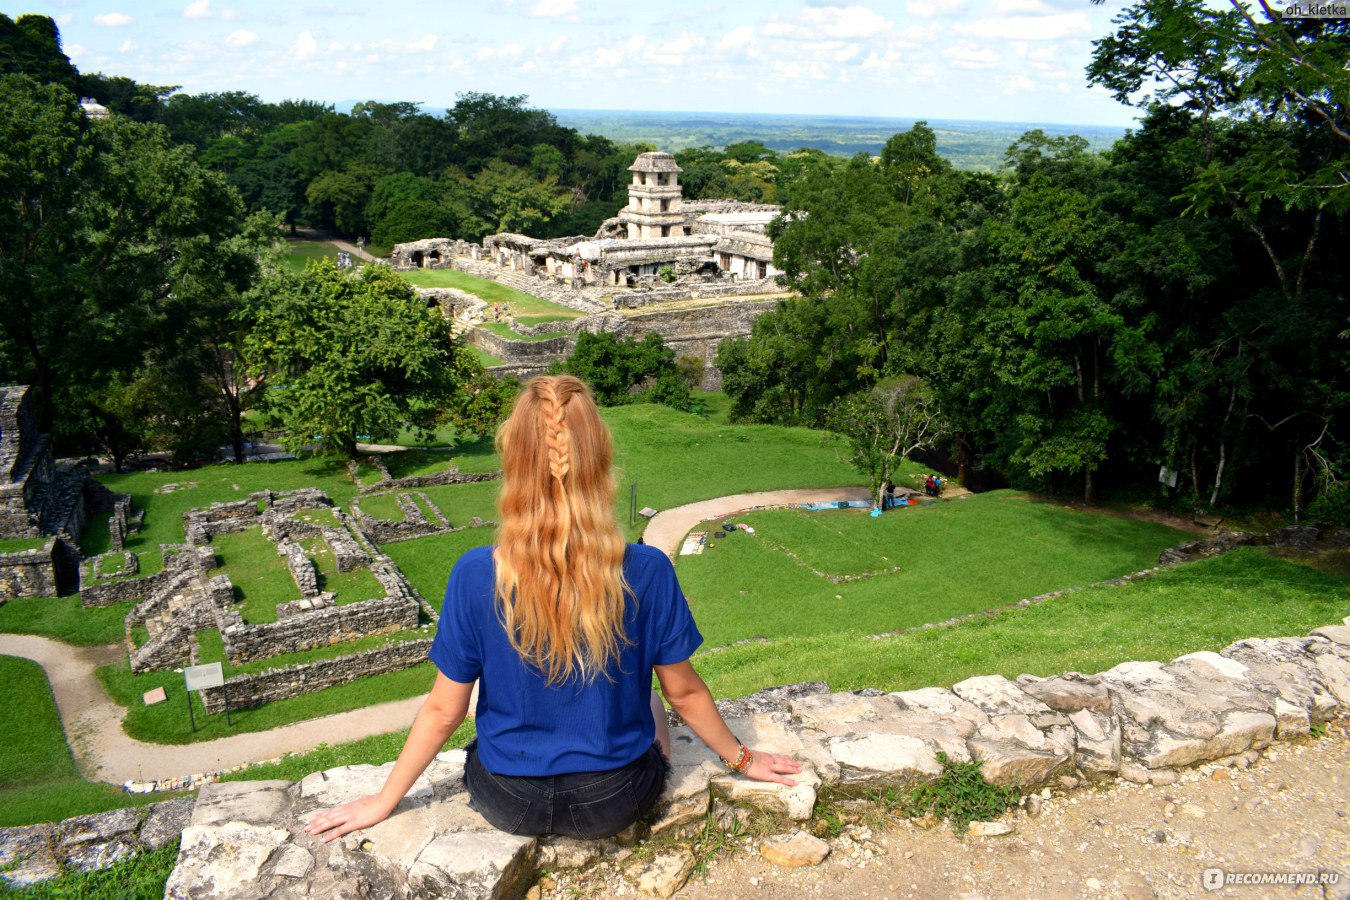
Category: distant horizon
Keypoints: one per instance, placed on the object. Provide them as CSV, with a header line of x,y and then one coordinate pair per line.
x,y
1017,60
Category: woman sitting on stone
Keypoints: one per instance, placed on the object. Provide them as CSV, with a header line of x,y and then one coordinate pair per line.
x,y
562,625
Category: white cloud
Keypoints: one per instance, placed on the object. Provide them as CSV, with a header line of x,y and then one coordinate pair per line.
x,y
1032,7
113,20
305,46
966,55
928,9
240,38
425,44
127,47
737,38
230,15
557,43
549,8
74,51
510,51
483,53
198,9
1029,28
65,19
845,22
778,29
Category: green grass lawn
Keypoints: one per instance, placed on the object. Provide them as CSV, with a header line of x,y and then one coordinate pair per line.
x,y
167,723
955,557
14,545
419,462
299,253
260,575
214,484
382,506
38,778
461,502
486,360
212,649
65,619
427,561
501,329
521,304
1199,606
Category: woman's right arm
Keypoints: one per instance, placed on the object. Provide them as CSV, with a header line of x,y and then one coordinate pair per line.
x,y
441,714
689,696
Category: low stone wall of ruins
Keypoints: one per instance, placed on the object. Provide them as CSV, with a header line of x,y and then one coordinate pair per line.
x,y
450,476
238,515
31,573
250,691
1140,721
31,854
244,643
689,332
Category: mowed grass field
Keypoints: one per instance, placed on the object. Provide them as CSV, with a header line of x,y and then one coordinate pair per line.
x,y
912,566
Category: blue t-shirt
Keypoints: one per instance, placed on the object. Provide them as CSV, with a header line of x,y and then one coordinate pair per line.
x,y
526,727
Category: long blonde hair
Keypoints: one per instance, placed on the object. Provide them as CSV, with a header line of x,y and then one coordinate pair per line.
x,y
560,589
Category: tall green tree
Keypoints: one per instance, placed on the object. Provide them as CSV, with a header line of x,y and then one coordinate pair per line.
x,y
352,356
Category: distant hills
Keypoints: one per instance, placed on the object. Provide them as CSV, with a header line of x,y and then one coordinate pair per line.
x,y
969,144
972,145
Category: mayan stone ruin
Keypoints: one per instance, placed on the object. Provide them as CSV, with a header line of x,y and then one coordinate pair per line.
x,y
711,260
41,503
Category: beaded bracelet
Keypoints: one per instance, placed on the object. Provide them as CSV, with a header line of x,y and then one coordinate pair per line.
x,y
742,762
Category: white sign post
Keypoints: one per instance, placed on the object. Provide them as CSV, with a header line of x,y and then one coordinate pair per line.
x,y
199,678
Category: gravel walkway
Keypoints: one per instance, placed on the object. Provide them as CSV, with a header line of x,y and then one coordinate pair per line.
x,y
1288,813
667,528
104,752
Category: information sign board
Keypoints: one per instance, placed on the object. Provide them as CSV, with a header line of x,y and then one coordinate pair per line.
x,y
197,678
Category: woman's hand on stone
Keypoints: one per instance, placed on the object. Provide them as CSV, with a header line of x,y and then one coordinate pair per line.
x,y
334,823
772,767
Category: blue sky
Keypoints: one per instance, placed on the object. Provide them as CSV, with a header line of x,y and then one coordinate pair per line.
x,y
1003,60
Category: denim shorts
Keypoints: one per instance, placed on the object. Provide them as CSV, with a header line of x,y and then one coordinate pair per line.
x,y
579,805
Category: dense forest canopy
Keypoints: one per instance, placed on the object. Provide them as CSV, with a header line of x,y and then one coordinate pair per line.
x,y
1073,322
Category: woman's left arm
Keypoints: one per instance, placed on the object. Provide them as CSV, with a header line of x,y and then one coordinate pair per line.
x,y
441,714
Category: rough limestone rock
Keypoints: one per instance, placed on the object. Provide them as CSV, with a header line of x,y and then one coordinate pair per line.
x,y
1098,742
27,855
166,822
795,849
663,874
90,843
1283,667
1068,693
1140,721
247,839
989,829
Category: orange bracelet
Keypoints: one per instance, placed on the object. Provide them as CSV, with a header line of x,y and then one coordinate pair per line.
x,y
742,762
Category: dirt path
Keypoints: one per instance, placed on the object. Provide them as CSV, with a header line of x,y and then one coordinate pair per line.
x,y
1288,813
667,528
104,752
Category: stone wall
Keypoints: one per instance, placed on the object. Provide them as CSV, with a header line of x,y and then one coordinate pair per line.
x,y
451,475
239,515
31,854
250,691
689,332
32,573
1141,721
398,612
414,523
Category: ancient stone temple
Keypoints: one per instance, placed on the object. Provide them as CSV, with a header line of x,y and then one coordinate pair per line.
x,y
654,198
40,502
658,243
26,469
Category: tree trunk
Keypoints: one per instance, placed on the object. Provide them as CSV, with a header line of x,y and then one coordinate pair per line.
x,y
1218,476
1298,483
1089,487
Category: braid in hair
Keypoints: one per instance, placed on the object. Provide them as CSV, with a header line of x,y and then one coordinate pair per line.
x,y
559,439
